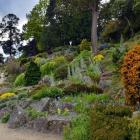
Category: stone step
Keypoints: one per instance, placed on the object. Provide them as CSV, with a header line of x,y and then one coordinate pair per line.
x,y
53,123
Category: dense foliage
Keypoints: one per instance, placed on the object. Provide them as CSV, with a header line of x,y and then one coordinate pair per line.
x,y
131,76
47,92
104,122
32,74
67,71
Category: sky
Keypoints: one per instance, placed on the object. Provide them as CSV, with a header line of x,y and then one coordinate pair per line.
x,y
17,7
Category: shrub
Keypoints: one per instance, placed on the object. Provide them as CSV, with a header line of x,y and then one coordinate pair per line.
x,y
5,118
3,105
130,72
47,68
20,80
6,96
50,66
35,89
134,127
85,55
47,92
78,129
97,124
85,45
22,95
75,88
32,74
24,61
40,61
94,72
96,98
104,126
119,111
61,72
69,56
117,56
98,58
59,60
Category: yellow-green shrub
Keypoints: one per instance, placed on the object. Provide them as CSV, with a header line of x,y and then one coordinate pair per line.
x,y
47,92
49,67
6,95
78,129
40,61
98,58
85,45
20,80
59,60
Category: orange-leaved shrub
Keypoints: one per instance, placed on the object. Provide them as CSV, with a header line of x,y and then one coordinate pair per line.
x,y
130,72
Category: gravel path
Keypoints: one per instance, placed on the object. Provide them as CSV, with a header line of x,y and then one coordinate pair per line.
x,y
21,134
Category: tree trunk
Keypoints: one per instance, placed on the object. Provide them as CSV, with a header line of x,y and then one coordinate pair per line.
x,y
94,37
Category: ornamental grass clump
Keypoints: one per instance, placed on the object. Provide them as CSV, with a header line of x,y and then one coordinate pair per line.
x,y
130,72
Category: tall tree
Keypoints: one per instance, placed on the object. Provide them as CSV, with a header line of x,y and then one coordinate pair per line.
x,y
74,26
50,36
29,49
90,5
10,34
36,19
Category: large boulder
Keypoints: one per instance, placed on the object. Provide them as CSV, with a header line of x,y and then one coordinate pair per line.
x,y
24,103
57,123
42,105
53,123
39,124
53,106
18,118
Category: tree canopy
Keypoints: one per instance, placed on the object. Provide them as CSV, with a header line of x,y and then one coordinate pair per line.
x,y
10,34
